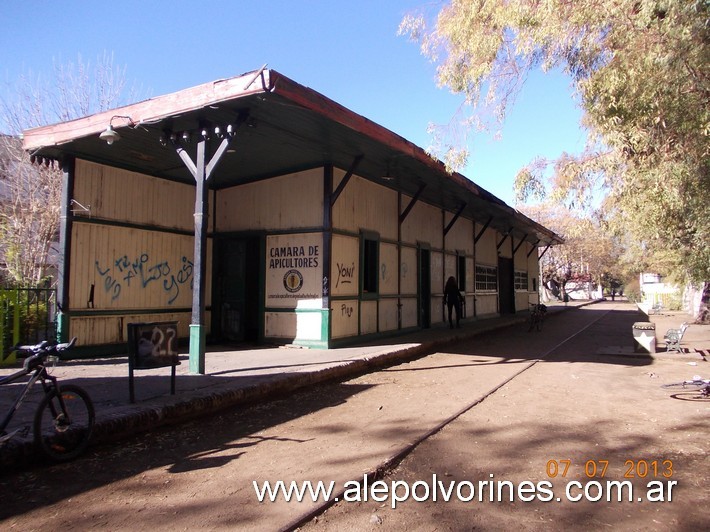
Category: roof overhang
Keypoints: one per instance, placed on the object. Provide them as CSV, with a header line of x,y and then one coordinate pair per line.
x,y
282,127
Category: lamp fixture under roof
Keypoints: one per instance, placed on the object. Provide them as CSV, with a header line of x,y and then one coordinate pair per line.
x,y
110,135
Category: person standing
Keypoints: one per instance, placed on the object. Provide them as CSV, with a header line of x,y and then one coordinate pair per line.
x,y
452,299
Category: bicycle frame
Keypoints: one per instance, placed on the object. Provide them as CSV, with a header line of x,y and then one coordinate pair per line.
x,y
40,373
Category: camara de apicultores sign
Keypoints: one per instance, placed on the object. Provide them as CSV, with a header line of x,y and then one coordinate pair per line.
x,y
294,270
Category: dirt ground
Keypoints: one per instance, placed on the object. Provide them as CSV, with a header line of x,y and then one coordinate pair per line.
x,y
603,416
574,417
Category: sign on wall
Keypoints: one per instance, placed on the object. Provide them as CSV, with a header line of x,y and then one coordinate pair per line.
x,y
294,270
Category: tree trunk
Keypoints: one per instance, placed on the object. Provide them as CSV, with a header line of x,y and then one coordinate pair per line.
x,y
704,308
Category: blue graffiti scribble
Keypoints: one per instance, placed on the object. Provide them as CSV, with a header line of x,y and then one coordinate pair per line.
x,y
141,268
111,285
183,275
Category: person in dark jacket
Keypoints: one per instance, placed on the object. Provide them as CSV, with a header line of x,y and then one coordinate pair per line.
x,y
452,299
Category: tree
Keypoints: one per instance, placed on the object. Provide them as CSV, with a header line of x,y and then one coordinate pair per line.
x,y
640,68
29,214
30,193
590,252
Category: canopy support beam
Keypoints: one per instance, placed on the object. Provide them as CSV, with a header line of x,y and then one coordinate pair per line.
x,y
201,169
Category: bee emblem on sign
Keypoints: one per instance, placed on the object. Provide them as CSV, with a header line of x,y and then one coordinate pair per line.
x,y
293,281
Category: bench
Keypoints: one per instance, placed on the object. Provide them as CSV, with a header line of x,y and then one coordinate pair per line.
x,y
674,337
656,308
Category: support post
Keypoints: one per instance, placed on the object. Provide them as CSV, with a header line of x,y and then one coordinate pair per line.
x,y
198,333
65,230
543,252
483,230
412,203
346,178
201,169
505,236
327,250
522,241
456,217
534,247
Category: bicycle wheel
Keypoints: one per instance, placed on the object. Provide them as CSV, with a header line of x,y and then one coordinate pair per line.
x,y
534,322
686,385
63,425
531,322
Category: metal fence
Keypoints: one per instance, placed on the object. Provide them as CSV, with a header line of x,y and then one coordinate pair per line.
x,y
28,316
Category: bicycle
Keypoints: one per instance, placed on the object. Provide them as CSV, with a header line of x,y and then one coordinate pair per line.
x,y
537,316
64,419
694,385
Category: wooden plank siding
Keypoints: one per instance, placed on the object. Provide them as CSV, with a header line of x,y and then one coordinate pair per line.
x,y
486,253
132,198
129,268
423,225
289,202
135,247
103,330
131,254
364,205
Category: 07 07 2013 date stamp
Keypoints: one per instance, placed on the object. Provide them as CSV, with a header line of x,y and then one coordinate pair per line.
x,y
597,486
599,468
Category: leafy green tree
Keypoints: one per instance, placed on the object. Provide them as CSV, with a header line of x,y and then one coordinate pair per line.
x,y
640,68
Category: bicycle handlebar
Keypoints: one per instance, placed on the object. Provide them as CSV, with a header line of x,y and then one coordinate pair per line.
x,y
44,347
39,352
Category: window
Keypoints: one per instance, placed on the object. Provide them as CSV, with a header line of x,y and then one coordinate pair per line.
x,y
486,278
461,272
521,281
370,263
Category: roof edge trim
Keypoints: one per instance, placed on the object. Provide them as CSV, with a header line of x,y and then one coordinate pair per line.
x,y
151,110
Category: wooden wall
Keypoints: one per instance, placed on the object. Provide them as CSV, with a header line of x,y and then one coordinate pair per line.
x,y
135,247
288,210
123,196
293,201
119,272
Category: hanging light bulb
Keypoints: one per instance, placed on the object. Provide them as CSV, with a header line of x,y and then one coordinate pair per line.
x,y
110,135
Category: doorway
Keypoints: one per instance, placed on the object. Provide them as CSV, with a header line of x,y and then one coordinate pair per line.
x,y
236,307
424,288
506,294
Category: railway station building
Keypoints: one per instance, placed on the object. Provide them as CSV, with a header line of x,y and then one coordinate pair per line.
x,y
256,209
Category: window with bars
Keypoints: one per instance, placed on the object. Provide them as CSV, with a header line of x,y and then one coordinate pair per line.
x,y
521,281
486,278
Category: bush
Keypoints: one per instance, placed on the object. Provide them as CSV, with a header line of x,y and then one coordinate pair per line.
x,y
34,308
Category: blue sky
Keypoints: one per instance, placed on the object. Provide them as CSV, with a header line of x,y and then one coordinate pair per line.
x,y
347,50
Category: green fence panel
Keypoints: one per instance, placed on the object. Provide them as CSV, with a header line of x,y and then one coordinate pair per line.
x,y
28,316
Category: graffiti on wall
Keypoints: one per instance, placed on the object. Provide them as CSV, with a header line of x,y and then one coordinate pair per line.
x,y
346,273
142,273
346,311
